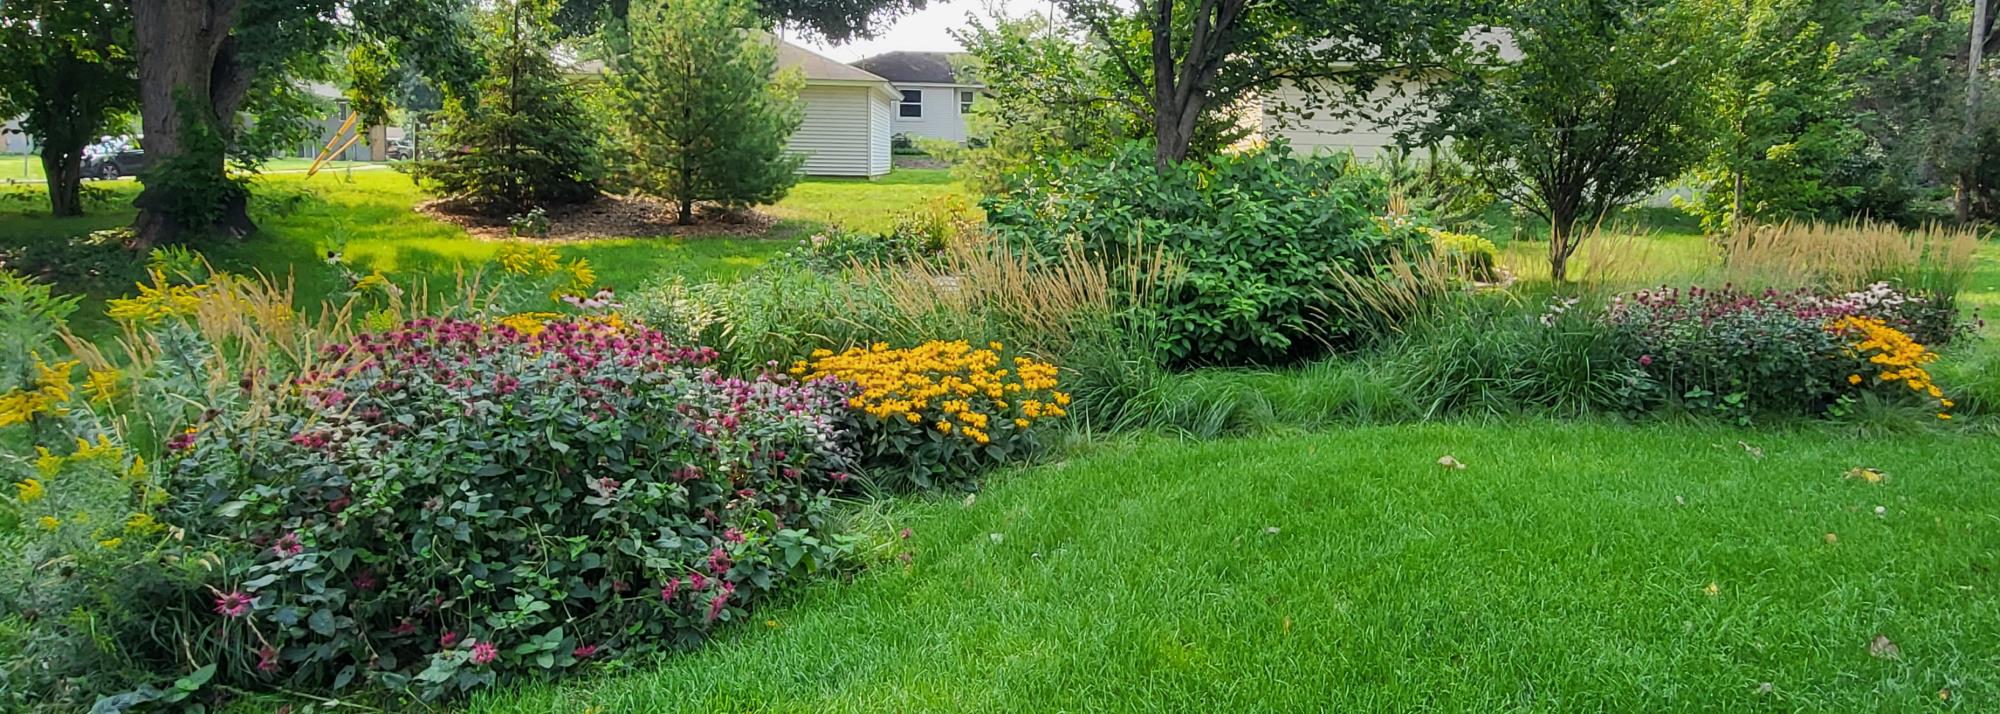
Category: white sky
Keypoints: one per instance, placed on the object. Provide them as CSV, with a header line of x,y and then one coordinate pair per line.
x,y
924,31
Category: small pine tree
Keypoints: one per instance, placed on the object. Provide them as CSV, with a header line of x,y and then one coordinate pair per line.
x,y
525,140
702,113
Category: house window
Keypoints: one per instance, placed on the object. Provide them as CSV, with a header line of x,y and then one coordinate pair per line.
x,y
913,103
964,102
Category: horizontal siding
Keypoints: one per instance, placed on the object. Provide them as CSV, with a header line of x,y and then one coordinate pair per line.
x,y
941,119
881,108
1326,134
835,136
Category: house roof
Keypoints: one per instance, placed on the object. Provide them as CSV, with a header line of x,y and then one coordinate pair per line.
x,y
926,67
817,67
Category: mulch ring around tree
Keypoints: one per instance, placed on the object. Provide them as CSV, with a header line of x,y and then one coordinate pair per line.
x,y
608,217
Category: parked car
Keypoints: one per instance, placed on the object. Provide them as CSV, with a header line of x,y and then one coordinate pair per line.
x,y
402,150
111,165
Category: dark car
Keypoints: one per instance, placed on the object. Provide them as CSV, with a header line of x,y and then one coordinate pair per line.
x,y
125,162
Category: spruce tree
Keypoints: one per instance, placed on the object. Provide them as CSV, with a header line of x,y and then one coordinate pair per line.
x,y
525,140
702,114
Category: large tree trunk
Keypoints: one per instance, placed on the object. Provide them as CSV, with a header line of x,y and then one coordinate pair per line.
x,y
1562,235
188,76
64,170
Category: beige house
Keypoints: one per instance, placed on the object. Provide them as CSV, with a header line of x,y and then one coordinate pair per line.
x,y
1270,119
849,115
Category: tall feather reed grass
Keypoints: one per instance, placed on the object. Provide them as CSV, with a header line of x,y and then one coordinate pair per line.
x,y
1848,256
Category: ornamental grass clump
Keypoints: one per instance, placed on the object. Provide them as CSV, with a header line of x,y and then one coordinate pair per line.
x,y
939,414
449,502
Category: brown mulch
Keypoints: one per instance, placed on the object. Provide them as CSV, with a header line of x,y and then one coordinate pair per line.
x,y
609,217
919,162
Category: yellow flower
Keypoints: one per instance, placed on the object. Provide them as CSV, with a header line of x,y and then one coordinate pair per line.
x,y
371,281
29,491
102,385
87,450
47,464
138,469
111,542
529,323
1853,379
1021,423
1944,416
158,301
944,427
48,523
141,524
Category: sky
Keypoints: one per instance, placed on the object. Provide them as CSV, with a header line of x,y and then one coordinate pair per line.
x,y
928,30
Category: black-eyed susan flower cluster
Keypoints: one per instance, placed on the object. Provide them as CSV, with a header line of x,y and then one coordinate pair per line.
x,y
1895,358
945,409
539,262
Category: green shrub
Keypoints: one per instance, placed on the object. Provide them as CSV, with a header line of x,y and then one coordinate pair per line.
x,y
1470,255
447,503
776,315
1255,235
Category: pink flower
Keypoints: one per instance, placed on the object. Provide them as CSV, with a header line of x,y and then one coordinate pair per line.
x,y
232,604
1645,360
720,601
364,580
484,652
403,628
585,651
267,659
733,535
905,534
288,545
697,582
672,587
448,639
718,562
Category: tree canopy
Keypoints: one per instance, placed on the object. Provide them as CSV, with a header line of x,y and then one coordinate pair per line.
x,y
67,69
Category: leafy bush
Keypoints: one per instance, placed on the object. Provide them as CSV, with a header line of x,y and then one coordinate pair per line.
x,y
1255,235
939,414
1470,255
447,502
919,234
776,315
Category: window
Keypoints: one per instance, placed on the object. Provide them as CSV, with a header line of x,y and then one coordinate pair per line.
x,y
965,102
913,103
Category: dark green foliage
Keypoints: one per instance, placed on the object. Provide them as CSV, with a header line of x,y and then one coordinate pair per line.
x,y
184,186
459,503
700,118
1256,234
524,139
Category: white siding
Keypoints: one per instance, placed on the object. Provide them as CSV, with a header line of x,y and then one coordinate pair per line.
x,y
835,136
1326,134
11,140
941,119
881,109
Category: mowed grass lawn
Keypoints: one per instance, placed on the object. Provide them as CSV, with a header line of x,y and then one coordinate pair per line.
x,y
1567,568
368,215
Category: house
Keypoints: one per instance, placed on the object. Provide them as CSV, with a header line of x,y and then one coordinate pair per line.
x,y
12,139
373,146
1271,115
933,96
848,115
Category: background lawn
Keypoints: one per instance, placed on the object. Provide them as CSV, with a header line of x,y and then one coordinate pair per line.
x,y
1566,569
369,215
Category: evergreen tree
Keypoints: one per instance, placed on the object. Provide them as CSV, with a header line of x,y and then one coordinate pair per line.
x,y
526,139
701,113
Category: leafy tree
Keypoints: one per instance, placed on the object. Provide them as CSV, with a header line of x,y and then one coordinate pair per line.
x,y
1606,102
204,64
835,20
1180,60
524,140
1910,61
1789,141
701,117
66,68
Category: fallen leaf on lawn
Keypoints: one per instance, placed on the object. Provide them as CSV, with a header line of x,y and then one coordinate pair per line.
x,y
1273,530
1288,624
1678,501
996,537
1450,463
773,624
1944,695
1881,511
1866,474
1881,647
1764,688
1831,538
1712,589
970,498
1755,452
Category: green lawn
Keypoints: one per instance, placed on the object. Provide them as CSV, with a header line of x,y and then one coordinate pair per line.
x,y
1566,569
19,168
369,212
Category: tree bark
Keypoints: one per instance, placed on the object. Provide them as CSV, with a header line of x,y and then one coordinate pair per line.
x,y
63,169
1562,231
187,59
1974,57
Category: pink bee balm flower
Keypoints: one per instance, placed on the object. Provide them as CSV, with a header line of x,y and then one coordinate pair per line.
x,y
697,582
484,652
288,546
448,639
733,535
721,601
267,659
672,587
585,652
1645,360
232,604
